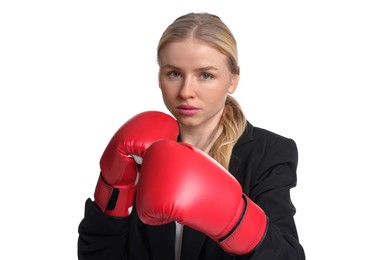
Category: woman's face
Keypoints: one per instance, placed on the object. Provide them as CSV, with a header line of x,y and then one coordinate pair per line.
x,y
195,79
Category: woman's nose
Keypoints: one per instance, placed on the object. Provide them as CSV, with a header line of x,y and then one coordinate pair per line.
x,y
187,88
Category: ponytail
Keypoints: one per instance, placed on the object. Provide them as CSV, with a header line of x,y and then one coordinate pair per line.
x,y
233,123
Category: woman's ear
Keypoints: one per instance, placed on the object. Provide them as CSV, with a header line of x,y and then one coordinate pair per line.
x,y
233,83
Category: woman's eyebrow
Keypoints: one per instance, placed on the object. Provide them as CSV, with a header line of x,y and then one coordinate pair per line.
x,y
207,68
169,66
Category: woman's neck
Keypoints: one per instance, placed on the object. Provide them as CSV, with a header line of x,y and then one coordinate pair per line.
x,y
201,139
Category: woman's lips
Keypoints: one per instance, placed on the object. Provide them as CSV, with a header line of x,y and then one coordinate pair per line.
x,y
187,110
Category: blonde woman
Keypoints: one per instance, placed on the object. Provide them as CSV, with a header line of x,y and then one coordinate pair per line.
x,y
210,185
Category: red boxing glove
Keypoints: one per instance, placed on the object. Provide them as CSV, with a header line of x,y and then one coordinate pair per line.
x,y
114,192
181,183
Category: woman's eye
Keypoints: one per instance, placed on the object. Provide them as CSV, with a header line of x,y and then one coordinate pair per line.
x,y
206,76
174,74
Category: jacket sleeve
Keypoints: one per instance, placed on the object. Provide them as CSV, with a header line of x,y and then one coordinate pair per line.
x,y
101,236
270,189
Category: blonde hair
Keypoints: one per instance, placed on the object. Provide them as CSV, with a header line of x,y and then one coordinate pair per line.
x,y
210,29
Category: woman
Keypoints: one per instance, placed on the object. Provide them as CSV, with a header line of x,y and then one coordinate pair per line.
x,y
186,205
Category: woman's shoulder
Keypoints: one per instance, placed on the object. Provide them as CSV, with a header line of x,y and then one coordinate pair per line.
x,y
264,136
260,144
261,150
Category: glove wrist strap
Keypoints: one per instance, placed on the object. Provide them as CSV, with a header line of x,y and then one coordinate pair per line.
x,y
114,200
249,232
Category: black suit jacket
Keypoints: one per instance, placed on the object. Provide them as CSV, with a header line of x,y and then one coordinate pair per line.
x,y
265,165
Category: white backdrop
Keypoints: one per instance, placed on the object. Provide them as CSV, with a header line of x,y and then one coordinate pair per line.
x,y
71,72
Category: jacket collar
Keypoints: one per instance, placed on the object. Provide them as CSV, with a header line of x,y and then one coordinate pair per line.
x,y
235,160
246,136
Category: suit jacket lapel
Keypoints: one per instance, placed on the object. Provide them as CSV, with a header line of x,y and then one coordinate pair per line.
x,y
192,243
162,241
235,161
